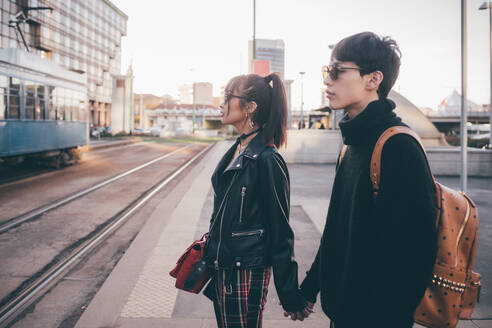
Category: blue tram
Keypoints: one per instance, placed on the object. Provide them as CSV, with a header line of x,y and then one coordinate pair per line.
x,y
43,109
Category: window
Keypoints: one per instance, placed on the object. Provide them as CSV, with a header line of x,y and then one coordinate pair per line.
x,y
3,96
14,102
30,104
40,104
52,103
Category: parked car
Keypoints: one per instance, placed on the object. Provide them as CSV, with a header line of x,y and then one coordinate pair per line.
x,y
141,132
156,131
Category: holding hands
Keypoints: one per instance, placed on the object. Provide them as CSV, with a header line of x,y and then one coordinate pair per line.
x,y
301,315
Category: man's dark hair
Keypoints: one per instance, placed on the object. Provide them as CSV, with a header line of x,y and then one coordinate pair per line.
x,y
371,53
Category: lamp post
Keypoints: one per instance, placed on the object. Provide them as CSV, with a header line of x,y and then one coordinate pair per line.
x,y
194,107
464,118
192,70
301,123
488,5
254,31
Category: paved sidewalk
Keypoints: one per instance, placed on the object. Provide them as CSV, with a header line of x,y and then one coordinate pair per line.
x,y
140,293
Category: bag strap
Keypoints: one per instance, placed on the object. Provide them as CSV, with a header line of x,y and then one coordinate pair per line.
x,y
378,151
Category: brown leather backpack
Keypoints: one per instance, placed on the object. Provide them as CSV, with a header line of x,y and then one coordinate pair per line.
x,y
454,288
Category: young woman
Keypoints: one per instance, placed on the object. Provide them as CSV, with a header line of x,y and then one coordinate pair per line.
x,y
249,230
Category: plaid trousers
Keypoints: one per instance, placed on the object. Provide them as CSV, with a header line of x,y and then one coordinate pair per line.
x,y
241,297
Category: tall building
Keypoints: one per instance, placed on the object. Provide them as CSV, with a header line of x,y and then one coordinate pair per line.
x,y
83,36
185,94
271,50
204,93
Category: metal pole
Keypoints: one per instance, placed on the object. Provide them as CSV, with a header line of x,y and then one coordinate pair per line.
x,y
194,108
142,117
254,32
301,123
124,109
490,103
463,128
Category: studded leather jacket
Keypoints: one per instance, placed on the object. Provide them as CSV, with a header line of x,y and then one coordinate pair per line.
x,y
250,227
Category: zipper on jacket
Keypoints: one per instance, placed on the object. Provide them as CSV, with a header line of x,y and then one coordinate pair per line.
x,y
243,193
460,233
216,262
248,233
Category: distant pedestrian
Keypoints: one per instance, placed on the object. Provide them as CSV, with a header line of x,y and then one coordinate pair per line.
x,y
249,231
376,255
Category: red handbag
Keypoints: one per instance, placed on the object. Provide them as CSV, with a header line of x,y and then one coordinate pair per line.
x,y
191,272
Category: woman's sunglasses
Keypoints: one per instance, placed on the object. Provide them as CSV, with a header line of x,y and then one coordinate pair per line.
x,y
228,96
333,70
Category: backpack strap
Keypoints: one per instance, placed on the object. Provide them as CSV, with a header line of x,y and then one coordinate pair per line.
x,y
378,151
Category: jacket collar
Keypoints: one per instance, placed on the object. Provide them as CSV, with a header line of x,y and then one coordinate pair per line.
x,y
365,126
252,151
255,147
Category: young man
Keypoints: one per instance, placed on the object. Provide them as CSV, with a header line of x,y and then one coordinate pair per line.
x,y
376,254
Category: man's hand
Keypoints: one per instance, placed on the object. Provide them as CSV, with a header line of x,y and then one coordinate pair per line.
x,y
301,315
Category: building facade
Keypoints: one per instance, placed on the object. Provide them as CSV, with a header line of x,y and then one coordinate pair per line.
x,y
83,36
122,104
271,50
204,93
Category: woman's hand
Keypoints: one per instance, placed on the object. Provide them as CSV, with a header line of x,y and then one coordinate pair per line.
x,y
301,315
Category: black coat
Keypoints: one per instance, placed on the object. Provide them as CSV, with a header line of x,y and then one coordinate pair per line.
x,y
250,227
376,255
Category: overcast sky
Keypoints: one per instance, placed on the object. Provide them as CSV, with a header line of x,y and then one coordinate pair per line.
x,y
175,42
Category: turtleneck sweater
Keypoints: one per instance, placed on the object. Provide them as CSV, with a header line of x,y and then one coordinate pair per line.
x,y
376,256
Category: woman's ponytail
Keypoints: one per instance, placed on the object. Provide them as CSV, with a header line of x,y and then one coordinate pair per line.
x,y
276,118
269,94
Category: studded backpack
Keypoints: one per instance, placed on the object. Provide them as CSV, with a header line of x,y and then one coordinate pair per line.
x,y
455,287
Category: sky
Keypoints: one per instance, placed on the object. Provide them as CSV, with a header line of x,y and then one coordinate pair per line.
x,y
173,42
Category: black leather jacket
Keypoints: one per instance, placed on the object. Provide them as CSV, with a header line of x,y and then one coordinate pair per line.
x,y
250,227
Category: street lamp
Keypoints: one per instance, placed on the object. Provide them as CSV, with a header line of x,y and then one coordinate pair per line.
x,y
464,114
194,106
301,123
192,70
487,5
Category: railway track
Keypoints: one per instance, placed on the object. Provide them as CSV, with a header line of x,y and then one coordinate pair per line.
x,y
33,168
14,304
38,212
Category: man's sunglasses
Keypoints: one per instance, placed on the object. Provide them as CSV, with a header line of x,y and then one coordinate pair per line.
x,y
333,70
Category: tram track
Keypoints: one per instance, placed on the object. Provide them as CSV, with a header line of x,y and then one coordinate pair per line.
x,y
32,289
38,171
38,212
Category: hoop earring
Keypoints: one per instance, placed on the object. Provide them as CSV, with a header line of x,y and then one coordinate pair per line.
x,y
251,124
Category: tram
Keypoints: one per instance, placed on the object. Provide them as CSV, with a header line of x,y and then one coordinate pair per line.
x,y
43,109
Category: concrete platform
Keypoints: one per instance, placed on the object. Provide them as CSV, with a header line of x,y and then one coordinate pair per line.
x,y
140,293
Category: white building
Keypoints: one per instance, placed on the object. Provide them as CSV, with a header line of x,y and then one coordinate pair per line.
x,y
122,103
204,93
